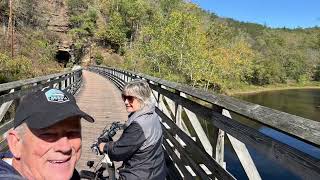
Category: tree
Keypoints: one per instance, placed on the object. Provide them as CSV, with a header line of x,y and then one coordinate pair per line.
x,y
133,12
317,73
84,24
114,33
77,7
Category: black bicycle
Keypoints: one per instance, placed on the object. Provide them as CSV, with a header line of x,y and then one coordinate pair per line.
x,y
105,163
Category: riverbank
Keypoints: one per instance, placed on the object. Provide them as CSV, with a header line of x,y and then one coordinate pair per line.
x,y
250,89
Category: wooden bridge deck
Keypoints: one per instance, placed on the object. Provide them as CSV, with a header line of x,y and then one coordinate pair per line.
x,y
102,100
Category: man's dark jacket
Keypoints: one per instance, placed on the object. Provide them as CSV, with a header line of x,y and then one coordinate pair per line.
x,y
139,147
6,170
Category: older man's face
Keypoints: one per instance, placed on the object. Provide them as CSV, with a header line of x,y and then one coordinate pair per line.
x,y
53,152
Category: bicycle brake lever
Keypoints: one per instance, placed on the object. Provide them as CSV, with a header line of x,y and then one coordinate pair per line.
x,y
95,149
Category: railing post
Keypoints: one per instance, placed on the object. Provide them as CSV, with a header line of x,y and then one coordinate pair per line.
x,y
69,83
159,96
57,85
73,83
243,154
178,118
218,141
178,109
66,82
60,83
193,119
130,76
171,107
4,107
51,85
220,149
16,101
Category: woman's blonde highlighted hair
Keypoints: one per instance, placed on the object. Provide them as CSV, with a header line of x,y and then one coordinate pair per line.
x,y
140,89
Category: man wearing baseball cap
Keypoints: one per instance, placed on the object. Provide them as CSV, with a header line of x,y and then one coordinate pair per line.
x,y
45,142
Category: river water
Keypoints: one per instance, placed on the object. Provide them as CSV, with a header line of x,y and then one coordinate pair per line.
x,y
300,102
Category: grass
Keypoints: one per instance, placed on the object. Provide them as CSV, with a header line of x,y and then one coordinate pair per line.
x,y
251,89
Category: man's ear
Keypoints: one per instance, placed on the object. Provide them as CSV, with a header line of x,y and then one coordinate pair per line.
x,y
14,143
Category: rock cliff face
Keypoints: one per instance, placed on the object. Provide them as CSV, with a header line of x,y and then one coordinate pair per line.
x,y
55,14
58,22
58,16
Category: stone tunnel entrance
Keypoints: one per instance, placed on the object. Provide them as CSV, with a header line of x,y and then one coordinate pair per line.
x,y
63,57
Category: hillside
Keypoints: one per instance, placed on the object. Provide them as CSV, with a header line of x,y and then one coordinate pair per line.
x,y
38,27
177,40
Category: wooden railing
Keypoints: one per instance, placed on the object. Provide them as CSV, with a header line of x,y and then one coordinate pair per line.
x,y
182,108
10,93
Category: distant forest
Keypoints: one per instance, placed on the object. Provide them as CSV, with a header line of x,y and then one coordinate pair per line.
x,y
179,41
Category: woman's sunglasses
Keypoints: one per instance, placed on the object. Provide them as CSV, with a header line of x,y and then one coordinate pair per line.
x,y
129,98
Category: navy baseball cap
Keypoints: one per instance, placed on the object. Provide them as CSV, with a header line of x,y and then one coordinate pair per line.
x,y
47,107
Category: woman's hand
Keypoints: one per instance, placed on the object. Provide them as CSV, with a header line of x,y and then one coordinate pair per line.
x,y
101,146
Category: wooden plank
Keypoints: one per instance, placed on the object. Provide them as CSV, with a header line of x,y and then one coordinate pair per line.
x,y
243,155
198,170
3,145
172,110
178,113
114,79
289,157
6,126
16,84
216,139
172,173
164,109
179,162
220,149
186,103
305,129
156,97
102,100
199,130
3,130
73,88
298,162
4,107
19,93
295,160
245,158
178,118
192,148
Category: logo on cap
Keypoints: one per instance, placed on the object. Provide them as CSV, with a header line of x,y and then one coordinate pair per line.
x,y
55,95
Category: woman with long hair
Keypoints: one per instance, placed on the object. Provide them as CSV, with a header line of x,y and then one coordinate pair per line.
x,y
139,147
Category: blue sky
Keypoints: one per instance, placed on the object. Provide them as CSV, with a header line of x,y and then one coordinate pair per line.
x,y
273,13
